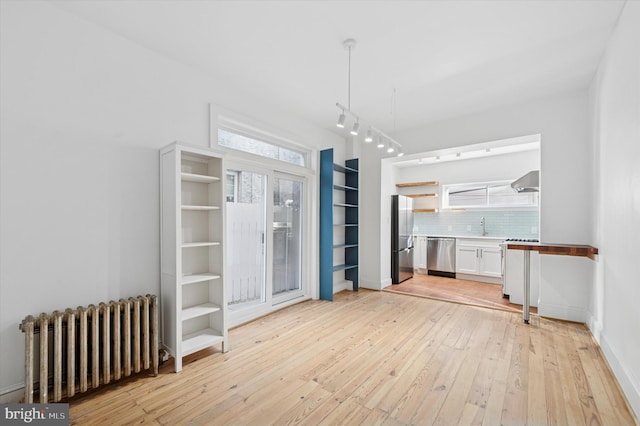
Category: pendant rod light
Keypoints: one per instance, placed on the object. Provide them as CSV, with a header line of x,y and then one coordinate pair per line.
x,y
350,45
372,131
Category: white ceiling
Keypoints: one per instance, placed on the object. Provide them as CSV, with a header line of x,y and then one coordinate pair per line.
x,y
444,58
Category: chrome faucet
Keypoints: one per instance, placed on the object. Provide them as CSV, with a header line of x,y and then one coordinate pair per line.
x,y
483,223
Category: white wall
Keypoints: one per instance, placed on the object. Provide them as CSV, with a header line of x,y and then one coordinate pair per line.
x,y
565,201
615,102
483,169
83,114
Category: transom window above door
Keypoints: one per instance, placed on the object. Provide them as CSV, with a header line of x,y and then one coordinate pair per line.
x,y
269,149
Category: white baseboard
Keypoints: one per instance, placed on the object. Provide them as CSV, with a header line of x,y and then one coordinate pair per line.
x,y
567,313
342,285
630,385
479,278
12,394
595,326
374,285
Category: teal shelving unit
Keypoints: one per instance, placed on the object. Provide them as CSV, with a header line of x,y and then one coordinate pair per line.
x,y
328,246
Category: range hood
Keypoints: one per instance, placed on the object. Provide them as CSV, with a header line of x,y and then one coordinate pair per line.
x,y
527,183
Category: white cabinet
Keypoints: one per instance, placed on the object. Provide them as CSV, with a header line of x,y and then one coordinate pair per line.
x,y
479,257
466,258
420,254
192,250
514,277
490,261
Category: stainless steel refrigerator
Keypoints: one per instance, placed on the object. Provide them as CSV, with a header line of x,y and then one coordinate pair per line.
x,y
401,238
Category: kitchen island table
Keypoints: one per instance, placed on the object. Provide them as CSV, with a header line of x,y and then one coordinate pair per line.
x,y
543,248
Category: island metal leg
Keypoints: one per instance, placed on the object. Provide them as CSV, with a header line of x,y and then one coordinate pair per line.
x,y
527,277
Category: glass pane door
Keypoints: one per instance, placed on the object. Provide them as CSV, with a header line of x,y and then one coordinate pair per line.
x,y
287,238
246,231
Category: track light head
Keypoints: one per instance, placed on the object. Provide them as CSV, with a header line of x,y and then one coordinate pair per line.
x,y
382,139
355,129
400,153
369,137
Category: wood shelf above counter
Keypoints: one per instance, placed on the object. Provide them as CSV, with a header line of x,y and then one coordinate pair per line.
x,y
426,202
420,195
409,184
557,249
542,248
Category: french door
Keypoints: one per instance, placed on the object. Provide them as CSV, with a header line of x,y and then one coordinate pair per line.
x,y
265,225
246,193
288,226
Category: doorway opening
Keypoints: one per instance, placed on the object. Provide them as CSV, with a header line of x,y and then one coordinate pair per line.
x,y
464,193
455,290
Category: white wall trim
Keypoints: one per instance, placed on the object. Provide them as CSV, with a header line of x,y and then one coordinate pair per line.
x,y
11,394
244,318
375,284
630,385
567,313
339,286
595,326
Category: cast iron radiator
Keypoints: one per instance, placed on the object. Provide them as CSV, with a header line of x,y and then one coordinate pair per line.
x,y
89,346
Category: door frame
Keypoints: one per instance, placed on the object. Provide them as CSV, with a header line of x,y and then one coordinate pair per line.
x,y
271,170
302,292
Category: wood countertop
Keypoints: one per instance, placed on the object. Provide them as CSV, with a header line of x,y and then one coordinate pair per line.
x,y
559,249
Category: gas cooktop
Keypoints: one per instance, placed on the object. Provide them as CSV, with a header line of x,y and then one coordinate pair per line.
x,y
523,240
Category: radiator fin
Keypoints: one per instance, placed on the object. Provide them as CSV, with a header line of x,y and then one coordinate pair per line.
x,y
91,345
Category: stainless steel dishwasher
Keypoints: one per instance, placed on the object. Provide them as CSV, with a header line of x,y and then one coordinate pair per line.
x,y
441,256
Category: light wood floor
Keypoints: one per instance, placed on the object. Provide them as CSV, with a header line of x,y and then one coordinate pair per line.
x,y
458,291
378,358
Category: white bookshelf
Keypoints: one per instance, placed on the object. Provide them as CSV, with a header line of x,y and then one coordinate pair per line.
x,y
192,251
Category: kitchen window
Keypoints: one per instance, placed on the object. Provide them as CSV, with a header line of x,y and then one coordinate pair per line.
x,y
486,195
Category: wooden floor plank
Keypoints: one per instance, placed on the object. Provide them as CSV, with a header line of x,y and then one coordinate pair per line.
x,y
600,379
501,354
536,401
377,358
455,290
556,409
515,401
299,412
403,380
570,392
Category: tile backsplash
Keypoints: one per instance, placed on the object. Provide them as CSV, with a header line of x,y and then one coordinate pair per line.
x,y
505,223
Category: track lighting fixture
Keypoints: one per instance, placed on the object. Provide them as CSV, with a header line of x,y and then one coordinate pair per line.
x,y
369,137
390,148
355,128
381,138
